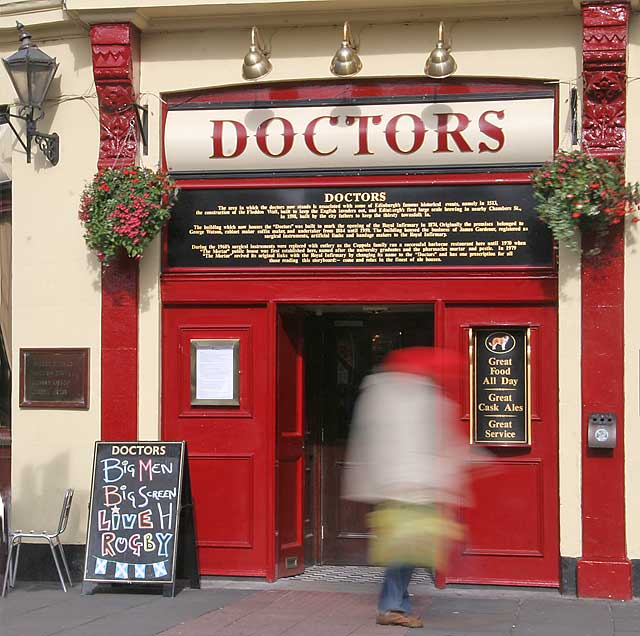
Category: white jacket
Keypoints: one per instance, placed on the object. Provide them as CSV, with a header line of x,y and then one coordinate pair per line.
x,y
404,443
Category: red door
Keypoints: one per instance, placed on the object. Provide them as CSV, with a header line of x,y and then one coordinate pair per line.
x,y
229,444
290,473
512,527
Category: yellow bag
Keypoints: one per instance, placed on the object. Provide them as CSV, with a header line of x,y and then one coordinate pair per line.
x,y
407,534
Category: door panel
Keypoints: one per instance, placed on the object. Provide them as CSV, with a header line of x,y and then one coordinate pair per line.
x,y
227,445
290,474
512,533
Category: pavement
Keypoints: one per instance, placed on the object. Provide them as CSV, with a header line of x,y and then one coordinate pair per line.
x,y
237,607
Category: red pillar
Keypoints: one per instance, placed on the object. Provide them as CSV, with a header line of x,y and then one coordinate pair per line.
x,y
115,51
604,570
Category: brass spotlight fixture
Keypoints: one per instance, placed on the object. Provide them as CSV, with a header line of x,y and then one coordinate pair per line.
x,y
256,62
346,61
440,63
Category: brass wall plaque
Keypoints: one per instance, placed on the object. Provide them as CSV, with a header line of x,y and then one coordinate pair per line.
x,y
54,378
500,386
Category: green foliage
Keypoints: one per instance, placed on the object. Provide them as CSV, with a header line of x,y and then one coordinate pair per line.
x,y
125,208
578,192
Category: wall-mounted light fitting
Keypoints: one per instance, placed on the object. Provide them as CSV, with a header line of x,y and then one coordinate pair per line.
x,y
256,62
440,63
31,72
346,61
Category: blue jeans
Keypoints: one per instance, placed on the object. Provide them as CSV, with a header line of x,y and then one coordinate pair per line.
x,y
394,595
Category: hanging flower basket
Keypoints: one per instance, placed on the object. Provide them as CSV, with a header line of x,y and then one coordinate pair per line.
x,y
125,208
578,192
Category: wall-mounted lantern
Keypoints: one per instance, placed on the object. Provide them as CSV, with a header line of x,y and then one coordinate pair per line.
x,y
31,72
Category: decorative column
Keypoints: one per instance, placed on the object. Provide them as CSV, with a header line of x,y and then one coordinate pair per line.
x,y
604,570
115,50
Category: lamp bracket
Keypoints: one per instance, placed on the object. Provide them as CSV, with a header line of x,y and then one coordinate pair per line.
x,y
259,43
49,144
348,37
143,125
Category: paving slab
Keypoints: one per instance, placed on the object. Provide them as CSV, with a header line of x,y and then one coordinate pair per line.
x,y
33,610
253,608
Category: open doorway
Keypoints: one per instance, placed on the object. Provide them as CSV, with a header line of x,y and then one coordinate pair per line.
x,y
342,344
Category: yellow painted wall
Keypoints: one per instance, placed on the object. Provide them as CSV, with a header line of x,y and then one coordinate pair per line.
x,y
632,306
56,296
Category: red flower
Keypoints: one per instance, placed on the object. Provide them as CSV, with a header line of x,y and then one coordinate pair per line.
x,y
130,215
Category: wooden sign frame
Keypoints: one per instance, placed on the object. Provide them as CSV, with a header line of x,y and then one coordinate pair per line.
x,y
508,408
183,515
63,365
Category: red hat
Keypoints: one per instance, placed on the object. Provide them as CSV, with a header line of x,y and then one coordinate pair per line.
x,y
440,364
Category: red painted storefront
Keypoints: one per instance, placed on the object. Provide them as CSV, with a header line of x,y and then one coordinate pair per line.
x,y
248,462
256,449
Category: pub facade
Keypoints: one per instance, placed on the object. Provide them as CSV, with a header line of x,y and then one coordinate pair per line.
x,y
321,222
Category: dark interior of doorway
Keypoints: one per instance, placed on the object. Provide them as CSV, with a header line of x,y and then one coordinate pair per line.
x,y
342,345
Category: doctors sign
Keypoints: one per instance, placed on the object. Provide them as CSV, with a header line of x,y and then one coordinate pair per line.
x,y
497,133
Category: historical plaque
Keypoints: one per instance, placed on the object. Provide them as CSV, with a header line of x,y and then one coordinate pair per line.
x,y
54,378
500,386
491,225
135,510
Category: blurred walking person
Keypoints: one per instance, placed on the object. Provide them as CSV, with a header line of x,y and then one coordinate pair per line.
x,y
405,456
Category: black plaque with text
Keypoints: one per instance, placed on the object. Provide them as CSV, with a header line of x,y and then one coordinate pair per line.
x,y
467,225
500,383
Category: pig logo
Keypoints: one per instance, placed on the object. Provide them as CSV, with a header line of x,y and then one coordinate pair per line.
x,y
500,342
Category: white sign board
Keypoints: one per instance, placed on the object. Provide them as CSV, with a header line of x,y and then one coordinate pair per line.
x,y
486,133
214,374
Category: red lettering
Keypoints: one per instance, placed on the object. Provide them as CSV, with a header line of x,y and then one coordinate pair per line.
x,y
262,135
107,540
310,131
111,496
218,147
363,130
144,520
456,135
491,130
391,133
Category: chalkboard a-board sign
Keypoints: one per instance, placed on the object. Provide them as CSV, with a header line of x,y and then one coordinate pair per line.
x,y
138,492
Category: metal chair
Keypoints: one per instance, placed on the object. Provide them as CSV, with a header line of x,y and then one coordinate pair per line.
x,y
4,529
53,538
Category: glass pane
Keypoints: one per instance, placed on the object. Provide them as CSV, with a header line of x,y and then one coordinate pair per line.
x,y
41,77
18,77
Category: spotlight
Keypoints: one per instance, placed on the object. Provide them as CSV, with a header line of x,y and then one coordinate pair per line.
x,y
346,61
440,63
256,63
